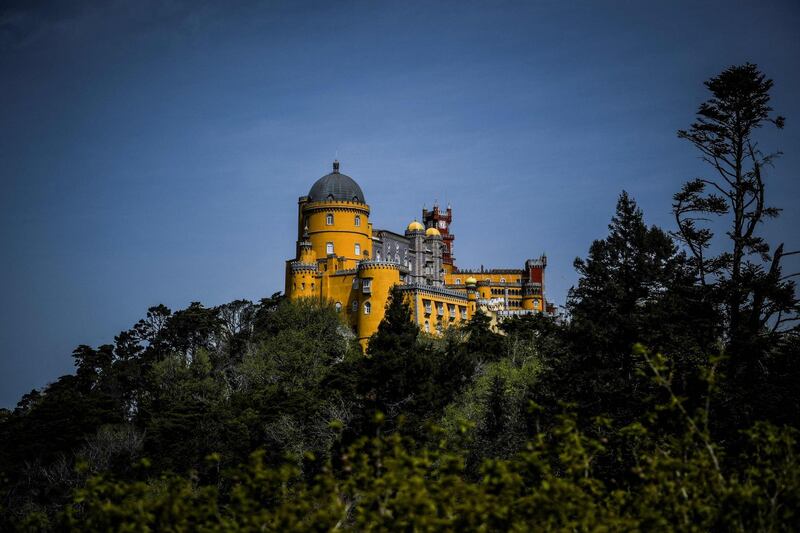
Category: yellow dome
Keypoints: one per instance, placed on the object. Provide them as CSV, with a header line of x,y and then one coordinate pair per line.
x,y
471,281
415,226
430,232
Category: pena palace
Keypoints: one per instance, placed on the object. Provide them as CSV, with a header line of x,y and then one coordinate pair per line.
x,y
342,259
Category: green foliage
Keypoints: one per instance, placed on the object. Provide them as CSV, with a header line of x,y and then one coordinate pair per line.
x,y
640,412
386,482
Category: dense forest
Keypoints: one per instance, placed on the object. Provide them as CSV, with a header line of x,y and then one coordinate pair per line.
x,y
668,397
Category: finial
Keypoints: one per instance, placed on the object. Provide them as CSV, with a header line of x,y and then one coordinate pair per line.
x,y
336,166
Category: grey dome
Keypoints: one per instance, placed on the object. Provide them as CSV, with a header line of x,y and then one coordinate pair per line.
x,y
336,186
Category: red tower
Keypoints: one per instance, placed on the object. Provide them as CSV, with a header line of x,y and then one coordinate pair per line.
x,y
441,220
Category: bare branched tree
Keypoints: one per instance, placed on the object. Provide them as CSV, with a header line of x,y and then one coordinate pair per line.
x,y
746,278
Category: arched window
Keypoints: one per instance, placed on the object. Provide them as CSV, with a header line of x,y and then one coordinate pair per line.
x,y
502,280
329,219
358,220
329,248
458,281
427,327
367,308
355,305
378,255
358,249
338,306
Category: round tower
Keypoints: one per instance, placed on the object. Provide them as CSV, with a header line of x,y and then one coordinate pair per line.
x,y
376,279
433,238
416,234
472,294
335,217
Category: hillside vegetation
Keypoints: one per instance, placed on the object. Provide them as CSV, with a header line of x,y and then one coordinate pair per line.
x,y
668,399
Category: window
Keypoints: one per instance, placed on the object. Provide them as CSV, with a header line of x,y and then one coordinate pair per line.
x,y
463,313
338,306
427,327
329,248
358,220
367,308
358,249
451,309
366,286
355,283
502,280
329,219
440,309
355,305
427,304
458,281
378,255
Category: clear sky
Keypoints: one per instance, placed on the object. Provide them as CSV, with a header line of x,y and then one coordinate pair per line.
x,y
153,152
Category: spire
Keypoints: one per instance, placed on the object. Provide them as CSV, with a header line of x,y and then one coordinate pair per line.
x,y
335,166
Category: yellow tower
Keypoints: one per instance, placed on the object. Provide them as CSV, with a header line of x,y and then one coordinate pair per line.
x,y
376,279
335,219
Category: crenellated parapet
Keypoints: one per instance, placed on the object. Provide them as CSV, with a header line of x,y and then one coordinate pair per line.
x,y
299,266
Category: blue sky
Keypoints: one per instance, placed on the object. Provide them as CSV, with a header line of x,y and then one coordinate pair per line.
x,y
153,152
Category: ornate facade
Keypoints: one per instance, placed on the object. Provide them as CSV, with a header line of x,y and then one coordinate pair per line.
x,y
341,258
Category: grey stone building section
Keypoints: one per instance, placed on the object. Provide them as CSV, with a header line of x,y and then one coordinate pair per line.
x,y
421,255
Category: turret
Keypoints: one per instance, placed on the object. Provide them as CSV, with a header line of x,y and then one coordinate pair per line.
x,y
434,239
472,294
335,219
533,284
375,280
306,252
416,233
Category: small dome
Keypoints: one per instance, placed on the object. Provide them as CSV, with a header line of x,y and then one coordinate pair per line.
x,y
471,281
431,232
415,226
336,186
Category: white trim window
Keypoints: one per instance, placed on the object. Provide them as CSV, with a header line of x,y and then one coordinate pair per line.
x,y
329,219
367,308
358,249
357,220
338,306
329,248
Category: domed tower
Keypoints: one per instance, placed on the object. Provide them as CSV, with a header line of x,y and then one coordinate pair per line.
x,y
433,238
415,232
337,220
